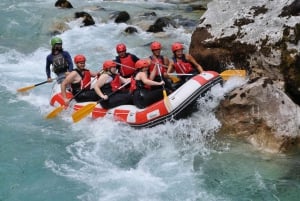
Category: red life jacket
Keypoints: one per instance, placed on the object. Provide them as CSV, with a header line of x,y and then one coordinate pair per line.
x,y
85,81
182,66
137,84
154,62
115,83
127,69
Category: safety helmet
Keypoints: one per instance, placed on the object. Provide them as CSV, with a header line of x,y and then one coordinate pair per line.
x,y
121,47
142,63
108,64
56,40
155,46
79,58
177,46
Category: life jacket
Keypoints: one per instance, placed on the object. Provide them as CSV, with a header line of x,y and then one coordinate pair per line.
x,y
127,68
85,82
182,66
60,64
154,62
112,86
137,84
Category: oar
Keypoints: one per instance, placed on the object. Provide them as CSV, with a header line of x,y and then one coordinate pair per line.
x,y
32,86
166,98
87,109
225,74
233,73
59,109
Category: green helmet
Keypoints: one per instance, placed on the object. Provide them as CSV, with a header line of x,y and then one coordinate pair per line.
x,y
55,40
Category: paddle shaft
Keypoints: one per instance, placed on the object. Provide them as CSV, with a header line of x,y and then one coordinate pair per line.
x,y
41,83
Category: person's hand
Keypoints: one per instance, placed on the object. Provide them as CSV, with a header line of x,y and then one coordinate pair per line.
x,y
105,97
67,102
161,83
49,79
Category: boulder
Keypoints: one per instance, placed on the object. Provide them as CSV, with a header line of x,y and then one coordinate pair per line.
x,y
63,4
261,37
261,113
160,23
87,19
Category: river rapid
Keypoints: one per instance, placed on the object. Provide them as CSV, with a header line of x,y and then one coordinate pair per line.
x,y
103,160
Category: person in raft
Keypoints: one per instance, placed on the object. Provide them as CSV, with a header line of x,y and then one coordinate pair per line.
x,y
141,83
108,87
80,81
125,61
157,60
183,63
60,60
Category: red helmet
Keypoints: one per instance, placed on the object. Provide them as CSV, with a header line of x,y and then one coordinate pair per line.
x,y
177,46
155,46
142,63
121,47
79,58
109,64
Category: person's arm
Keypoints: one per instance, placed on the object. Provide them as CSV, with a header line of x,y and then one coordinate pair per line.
x,y
63,87
145,80
124,80
100,82
191,59
94,74
166,65
170,67
48,71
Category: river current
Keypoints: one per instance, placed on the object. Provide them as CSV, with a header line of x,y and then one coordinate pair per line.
x,y
103,160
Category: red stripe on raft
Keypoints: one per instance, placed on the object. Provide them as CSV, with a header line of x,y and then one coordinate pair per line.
x,y
153,111
99,112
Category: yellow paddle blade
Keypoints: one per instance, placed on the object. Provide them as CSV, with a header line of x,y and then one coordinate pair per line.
x,y
55,112
233,73
25,88
174,78
83,112
167,101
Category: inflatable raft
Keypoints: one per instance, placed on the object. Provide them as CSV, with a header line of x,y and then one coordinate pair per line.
x,y
174,106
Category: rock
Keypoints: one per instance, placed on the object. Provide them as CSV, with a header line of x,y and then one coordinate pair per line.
x,y
87,19
261,37
160,23
130,30
262,114
63,4
121,16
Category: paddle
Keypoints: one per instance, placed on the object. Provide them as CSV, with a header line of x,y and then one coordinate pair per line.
x,y
32,86
59,109
225,74
87,109
166,98
233,73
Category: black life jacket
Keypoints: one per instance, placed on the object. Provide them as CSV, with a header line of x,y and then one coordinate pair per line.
x,y
60,64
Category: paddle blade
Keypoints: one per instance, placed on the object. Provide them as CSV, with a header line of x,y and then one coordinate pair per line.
x,y
174,79
83,112
233,73
167,101
24,89
55,112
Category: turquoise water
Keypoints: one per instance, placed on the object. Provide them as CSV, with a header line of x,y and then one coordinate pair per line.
x,y
103,160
